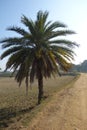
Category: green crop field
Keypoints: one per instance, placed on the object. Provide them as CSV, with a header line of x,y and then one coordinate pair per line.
x,y
17,109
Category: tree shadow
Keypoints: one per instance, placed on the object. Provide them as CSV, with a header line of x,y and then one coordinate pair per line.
x,y
6,115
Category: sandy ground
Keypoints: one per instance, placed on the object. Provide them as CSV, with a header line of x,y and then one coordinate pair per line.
x,y
67,110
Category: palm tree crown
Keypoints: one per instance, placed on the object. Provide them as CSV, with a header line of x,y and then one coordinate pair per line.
x,y
38,51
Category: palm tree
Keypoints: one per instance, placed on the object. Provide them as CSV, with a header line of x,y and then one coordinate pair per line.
x,y
38,51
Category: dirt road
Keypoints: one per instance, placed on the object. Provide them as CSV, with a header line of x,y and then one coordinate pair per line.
x,y
67,110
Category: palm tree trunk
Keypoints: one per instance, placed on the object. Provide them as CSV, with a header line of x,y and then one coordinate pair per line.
x,y
40,87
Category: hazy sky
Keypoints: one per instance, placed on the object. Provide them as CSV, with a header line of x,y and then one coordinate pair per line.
x,y
71,12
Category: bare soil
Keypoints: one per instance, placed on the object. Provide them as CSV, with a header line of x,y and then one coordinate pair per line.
x,y
66,111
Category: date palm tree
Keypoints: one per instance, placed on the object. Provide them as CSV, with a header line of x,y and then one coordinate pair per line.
x,y
38,51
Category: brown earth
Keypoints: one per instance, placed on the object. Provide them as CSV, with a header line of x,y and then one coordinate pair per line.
x,y
66,111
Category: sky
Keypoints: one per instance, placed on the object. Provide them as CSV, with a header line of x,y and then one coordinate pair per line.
x,y
71,12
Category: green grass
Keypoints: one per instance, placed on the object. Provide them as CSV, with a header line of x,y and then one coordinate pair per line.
x,y
17,109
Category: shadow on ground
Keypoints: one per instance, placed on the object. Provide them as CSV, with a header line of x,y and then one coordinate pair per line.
x,y
7,114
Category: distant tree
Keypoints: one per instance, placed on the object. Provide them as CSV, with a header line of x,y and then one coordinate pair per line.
x,y
38,52
82,67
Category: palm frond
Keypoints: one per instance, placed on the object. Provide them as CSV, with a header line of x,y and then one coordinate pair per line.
x,y
63,51
29,24
42,16
63,63
33,71
61,33
8,42
54,26
18,30
63,42
10,51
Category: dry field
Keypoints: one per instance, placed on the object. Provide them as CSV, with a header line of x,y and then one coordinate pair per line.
x,y
17,109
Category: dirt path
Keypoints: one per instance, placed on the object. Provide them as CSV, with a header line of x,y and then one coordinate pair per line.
x,y
67,110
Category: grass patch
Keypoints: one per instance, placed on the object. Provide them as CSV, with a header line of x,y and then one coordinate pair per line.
x,y
17,109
